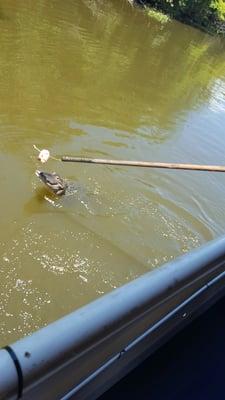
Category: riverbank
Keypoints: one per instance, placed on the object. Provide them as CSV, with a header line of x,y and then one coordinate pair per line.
x,y
207,15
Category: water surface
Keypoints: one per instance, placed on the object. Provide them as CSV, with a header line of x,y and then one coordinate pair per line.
x,y
100,79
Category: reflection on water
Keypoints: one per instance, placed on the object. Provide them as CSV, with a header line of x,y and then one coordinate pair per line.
x,y
100,79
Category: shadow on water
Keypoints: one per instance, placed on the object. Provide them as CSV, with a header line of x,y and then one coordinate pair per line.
x,y
48,203
3,16
80,202
37,203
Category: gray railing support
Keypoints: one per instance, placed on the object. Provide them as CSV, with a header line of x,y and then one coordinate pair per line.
x,y
73,357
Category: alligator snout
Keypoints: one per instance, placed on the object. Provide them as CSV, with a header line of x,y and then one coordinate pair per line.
x,y
53,181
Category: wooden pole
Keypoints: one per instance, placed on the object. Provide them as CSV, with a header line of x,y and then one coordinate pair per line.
x,y
146,164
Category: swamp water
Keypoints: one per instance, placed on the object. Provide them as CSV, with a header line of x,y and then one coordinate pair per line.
x,y
100,79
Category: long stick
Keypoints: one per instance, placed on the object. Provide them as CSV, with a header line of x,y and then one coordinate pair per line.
x,y
148,164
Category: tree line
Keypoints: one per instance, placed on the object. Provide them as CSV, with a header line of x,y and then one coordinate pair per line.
x,y
206,14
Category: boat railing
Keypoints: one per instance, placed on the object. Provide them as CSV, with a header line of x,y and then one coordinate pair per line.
x,y
86,352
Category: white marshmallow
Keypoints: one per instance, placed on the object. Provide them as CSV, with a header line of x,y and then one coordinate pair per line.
x,y
44,155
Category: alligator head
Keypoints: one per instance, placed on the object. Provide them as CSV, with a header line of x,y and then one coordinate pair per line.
x,y
53,181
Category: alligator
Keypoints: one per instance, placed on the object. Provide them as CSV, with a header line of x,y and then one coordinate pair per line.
x,y
53,181
60,186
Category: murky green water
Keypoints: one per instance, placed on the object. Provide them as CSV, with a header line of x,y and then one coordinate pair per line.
x,y
97,78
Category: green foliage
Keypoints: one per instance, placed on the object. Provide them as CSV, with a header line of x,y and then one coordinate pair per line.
x,y
158,16
208,14
219,7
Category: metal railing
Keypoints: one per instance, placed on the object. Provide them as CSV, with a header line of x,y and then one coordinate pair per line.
x,y
84,353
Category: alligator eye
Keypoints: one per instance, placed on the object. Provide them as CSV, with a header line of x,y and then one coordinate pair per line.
x,y
59,179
